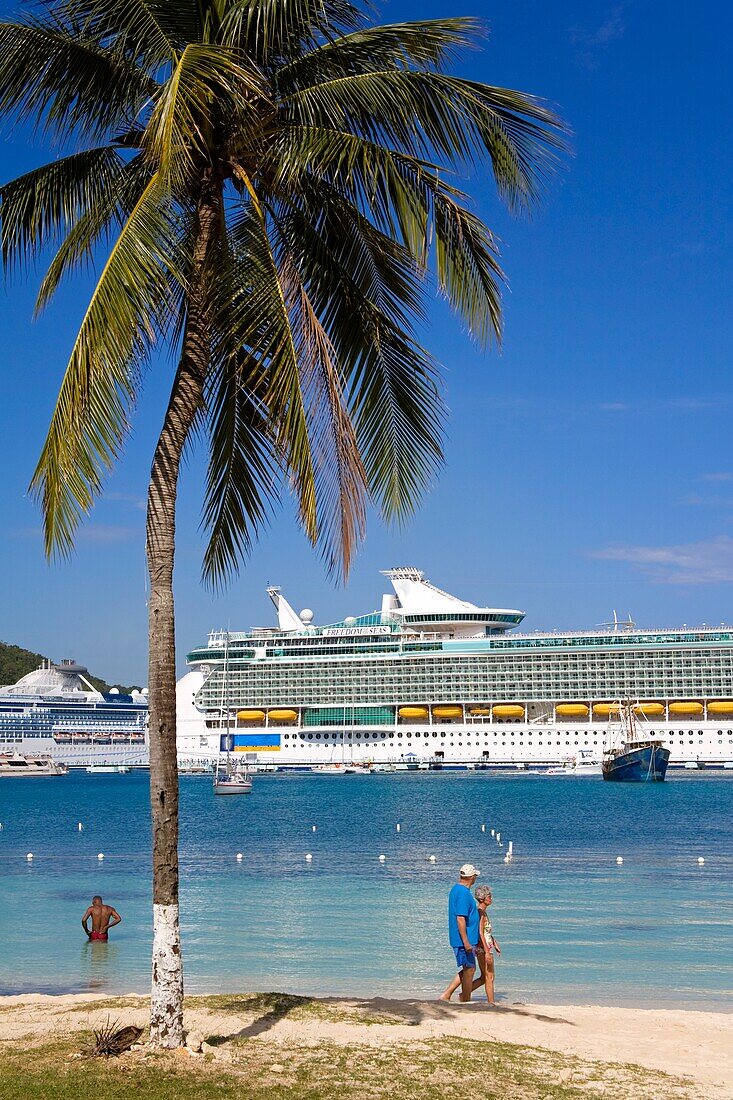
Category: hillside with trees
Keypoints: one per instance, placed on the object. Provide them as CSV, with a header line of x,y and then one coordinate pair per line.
x,y
16,662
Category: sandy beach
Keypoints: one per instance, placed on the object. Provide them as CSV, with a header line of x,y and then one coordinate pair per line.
x,y
694,1046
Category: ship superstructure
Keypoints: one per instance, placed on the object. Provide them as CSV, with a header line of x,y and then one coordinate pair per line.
x,y
55,710
431,677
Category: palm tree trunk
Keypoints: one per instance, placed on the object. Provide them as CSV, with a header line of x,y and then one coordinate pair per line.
x,y
166,1002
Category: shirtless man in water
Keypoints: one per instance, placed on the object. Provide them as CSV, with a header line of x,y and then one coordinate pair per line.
x,y
103,917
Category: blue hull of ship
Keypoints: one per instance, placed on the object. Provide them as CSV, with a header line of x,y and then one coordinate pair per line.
x,y
644,765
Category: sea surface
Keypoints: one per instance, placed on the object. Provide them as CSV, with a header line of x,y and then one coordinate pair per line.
x,y
573,924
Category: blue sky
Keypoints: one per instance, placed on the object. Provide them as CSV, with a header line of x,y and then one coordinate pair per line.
x,y
589,464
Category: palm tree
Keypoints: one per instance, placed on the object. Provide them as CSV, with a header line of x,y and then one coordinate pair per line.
x,y
268,183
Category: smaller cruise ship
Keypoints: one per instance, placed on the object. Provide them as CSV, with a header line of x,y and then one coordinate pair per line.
x,y
55,711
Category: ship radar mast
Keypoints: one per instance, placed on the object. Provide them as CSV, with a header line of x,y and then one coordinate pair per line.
x,y
619,626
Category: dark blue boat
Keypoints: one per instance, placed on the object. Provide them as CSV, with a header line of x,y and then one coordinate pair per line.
x,y
637,762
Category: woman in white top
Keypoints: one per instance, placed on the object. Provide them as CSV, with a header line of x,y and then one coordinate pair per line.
x,y
488,947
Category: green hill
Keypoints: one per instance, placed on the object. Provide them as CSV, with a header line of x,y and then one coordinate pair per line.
x,y
16,662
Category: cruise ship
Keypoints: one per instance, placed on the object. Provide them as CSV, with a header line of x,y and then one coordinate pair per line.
x,y
437,681
56,711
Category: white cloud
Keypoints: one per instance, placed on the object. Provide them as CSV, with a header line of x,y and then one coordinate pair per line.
x,y
591,40
706,562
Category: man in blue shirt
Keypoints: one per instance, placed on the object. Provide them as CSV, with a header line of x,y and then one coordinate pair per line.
x,y
463,929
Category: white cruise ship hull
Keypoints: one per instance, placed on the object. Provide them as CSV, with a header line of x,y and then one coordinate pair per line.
x,y
500,746
434,679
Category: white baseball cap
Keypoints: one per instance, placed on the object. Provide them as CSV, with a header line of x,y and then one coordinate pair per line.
x,y
469,871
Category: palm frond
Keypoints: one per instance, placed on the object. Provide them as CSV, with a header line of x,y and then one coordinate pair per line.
x,y
260,323
42,206
60,81
428,44
129,305
340,477
179,133
273,32
305,395
243,477
109,210
432,115
147,32
406,198
363,283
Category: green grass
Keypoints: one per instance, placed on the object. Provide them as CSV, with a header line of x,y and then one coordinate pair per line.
x,y
108,1004
434,1070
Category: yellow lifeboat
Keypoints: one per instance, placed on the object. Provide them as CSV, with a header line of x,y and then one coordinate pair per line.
x,y
508,710
721,706
604,709
649,709
572,710
251,715
447,712
282,715
686,706
479,712
415,713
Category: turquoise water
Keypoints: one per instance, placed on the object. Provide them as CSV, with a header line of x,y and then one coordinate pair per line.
x,y
573,925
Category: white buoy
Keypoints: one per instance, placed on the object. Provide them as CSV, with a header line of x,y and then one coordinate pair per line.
x,y
29,857
492,832
308,857
398,826
510,849
619,859
483,828
382,859
431,859
700,860
100,855
240,857
80,826
498,838
507,858
313,828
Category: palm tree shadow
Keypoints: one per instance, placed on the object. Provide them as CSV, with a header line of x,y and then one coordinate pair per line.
x,y
416,1012
272,1007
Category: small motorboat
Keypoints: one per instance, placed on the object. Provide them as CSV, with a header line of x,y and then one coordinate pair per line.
x,y
26,764
583,763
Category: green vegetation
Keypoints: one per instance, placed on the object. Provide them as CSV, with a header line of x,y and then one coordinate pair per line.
x,y
16,662
259,1071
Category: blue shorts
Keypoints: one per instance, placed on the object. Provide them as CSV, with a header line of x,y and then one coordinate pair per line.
x,y
465,958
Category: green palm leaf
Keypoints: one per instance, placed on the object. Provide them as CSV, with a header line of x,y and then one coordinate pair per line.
x,y
130,304
428,43
55,78
42,206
